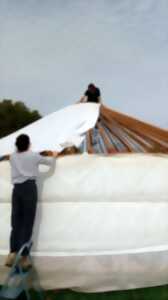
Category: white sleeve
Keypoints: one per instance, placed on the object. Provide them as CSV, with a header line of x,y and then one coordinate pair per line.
x,y
42,160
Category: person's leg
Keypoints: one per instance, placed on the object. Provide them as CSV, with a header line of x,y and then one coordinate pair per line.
x,y
16,221
29,200
16,225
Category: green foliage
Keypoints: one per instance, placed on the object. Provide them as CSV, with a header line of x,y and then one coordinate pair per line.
x,y
15,115
155,293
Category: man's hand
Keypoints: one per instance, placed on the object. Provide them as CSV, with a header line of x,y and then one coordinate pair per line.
x,y
46,153
49,153
5,157
55,154
83,99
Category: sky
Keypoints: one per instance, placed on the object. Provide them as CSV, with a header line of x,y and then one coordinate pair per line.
x,y
50,50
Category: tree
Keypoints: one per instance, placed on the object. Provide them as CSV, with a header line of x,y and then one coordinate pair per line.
x,y
15,115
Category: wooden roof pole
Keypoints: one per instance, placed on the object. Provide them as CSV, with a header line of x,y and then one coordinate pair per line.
x,y
109,147
156,145
89,142
140,142
109,126
130,122
136,136
133,141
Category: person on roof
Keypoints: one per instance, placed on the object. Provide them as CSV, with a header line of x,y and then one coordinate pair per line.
x,y
24,171
92,94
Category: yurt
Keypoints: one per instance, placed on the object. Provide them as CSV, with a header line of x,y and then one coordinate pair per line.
x,y
101,222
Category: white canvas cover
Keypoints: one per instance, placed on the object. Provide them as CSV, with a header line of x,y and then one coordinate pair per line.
x,y
65,126
101,222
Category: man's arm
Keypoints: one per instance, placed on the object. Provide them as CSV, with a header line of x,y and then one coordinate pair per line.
x,y
99,99
5,157
43,153
49,153
44,157
83,99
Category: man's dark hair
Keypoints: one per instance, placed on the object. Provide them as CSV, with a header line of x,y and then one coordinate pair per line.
x,y
22,142
91,86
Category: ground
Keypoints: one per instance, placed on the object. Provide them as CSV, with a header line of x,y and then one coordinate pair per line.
x,y
156,293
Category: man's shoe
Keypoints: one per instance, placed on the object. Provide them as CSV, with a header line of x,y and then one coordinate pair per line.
x,y
10,259
25,263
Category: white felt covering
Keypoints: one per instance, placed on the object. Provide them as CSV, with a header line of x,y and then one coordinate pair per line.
x,y
101,222
65,126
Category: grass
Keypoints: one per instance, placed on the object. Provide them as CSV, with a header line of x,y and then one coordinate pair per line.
x,y
155,293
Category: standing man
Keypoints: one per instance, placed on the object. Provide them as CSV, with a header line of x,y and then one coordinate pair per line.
x,y
92,94
24,171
